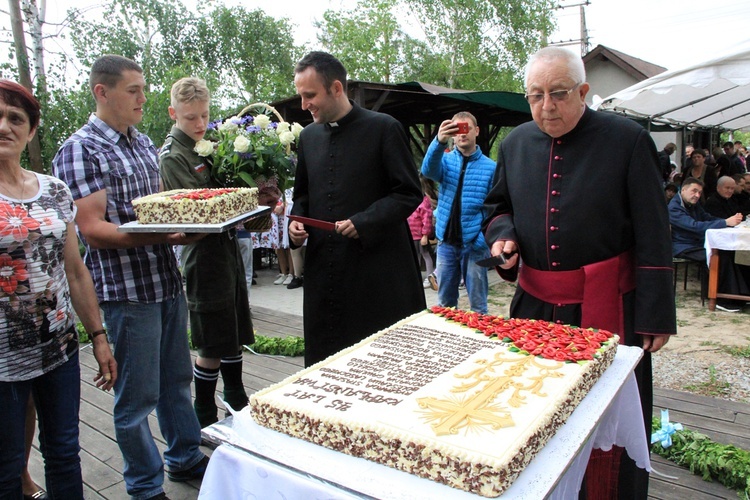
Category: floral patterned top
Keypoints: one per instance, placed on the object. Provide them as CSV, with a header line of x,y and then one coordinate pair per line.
x,y
36,314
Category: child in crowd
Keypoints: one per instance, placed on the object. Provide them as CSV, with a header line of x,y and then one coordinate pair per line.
x,y
297,254
421,226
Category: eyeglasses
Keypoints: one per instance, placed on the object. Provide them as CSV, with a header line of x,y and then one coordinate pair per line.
x,y
556,96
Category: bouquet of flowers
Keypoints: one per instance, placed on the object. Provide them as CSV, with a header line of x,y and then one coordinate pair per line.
x,y
251,150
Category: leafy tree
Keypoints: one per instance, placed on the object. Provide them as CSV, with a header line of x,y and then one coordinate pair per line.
x,y
253,54
470,44
242,55
154,33
484,42
367,40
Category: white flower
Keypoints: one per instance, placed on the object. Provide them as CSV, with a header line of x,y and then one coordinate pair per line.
x,y
286,138
242,144
282,127
204,147
297,129
230,125
261,121
48,226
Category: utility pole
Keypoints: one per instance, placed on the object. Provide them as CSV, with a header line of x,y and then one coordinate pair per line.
x,y
584,33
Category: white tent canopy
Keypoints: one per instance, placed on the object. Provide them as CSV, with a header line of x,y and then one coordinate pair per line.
x,y
713,94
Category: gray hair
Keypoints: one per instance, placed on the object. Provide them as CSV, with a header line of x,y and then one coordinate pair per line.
x,y
724,180
574,63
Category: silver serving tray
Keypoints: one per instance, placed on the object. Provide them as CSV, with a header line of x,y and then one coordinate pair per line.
x,y
136,227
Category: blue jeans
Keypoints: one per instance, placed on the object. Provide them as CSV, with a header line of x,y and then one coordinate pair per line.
x,y
454,263
57,395
246,250
154,372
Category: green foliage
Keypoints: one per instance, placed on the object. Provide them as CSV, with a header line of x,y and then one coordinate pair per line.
x,y
253,53
714,386
367,40
471,44
724,463
289,346
63,112
277,346
83,337
486,42
243,56
742,352
743,137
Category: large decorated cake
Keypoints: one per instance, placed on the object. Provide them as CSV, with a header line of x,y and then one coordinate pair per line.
x,y
458,397
195,206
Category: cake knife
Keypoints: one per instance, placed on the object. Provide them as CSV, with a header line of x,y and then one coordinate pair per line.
x,y
497,260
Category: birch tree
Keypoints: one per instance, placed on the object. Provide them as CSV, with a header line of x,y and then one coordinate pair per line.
x,y
19,39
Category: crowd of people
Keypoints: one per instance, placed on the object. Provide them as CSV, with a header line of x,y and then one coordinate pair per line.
x,y
711,195
709,190
589,246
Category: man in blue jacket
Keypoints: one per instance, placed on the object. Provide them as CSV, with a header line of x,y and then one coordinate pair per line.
x,y
465,176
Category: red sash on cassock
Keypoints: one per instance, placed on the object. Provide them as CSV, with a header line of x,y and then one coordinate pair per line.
x,y
599,288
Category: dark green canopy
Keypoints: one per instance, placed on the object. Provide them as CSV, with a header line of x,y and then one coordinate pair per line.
x,y
421,107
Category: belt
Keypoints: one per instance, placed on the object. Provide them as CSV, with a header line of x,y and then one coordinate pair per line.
x,y
598,287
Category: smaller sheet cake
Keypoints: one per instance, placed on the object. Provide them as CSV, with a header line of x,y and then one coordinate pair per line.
x,y
461,398
195,206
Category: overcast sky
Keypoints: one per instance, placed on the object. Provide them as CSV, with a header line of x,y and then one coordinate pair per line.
x,y
670,33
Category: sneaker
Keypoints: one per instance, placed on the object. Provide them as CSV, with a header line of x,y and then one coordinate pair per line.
x,y
195,472
279,279
296,282
160,496
433,281
426,283
288,279
461,285
726,309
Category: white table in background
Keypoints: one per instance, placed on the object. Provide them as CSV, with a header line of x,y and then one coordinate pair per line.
x,y
728,238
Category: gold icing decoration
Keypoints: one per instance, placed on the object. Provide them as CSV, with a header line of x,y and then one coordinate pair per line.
x,y
480,409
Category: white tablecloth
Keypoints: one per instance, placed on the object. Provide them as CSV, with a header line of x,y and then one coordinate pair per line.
x,y
728,238
251,465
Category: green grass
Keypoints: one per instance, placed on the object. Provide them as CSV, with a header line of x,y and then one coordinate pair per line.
x,y
742,352
712,387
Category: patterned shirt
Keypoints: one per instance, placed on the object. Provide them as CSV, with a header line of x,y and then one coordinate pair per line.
x,y
36,315
99,157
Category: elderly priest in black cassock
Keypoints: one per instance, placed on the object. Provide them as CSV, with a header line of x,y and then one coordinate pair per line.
x,y
578,202
356,170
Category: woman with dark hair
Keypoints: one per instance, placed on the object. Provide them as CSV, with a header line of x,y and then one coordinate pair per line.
x,y
42,281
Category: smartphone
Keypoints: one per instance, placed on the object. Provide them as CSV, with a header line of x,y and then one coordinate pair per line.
x,y
463,127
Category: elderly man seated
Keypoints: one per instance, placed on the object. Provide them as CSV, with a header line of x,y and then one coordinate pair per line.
x,y
689,223
722,203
